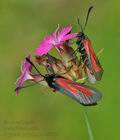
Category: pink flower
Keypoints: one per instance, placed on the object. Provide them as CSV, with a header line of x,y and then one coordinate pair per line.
x,y
55,39
26,68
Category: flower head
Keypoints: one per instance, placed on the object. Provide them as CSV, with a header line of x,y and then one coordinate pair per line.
x,y
55,39
26,68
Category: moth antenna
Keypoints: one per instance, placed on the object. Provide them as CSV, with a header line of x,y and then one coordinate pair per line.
x,y
78,21
88,13
28,85
33,66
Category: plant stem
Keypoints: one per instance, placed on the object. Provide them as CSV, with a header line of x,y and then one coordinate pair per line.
x,y
88,124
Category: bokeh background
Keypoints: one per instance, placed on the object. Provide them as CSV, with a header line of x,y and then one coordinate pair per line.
x,y
39,114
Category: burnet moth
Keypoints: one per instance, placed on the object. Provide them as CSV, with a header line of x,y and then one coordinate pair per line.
x,y
91,63
85,95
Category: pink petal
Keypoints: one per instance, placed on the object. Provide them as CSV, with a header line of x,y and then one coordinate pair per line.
x,y
20,82
47,40
43,49
69,36
45,45
63,32
26,65
26,68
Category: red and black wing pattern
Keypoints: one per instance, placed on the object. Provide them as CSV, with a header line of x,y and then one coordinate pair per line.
x,y
83,94
95,66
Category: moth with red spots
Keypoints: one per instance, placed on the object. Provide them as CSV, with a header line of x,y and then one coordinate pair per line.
x,y
85,95
91,64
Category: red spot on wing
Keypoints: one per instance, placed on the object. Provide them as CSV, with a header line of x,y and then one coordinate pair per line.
x,y
94,60
67,84
83,89
72,87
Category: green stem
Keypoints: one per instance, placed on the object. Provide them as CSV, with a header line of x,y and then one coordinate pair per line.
x,y
88,124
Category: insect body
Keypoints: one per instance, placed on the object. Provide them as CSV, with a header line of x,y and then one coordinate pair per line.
x,y
80,42
91,63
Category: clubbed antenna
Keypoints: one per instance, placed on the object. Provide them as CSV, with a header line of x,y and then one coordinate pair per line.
x,y
78,21
88,13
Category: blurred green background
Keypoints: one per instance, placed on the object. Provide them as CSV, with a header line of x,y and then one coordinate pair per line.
x,y
39,114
